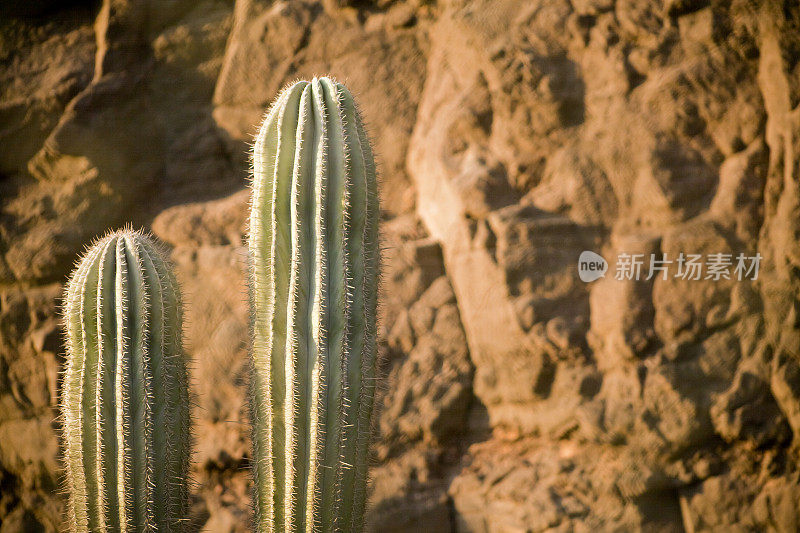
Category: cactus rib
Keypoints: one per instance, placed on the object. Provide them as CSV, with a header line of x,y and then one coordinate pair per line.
x,y
313,282
125,404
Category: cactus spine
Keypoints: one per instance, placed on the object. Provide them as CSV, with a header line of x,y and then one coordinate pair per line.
x,y
125,405
314,255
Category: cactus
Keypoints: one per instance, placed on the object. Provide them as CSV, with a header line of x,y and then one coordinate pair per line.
x,y
125,405
313,247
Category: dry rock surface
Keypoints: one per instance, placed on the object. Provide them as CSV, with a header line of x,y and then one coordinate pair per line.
x,y
511,136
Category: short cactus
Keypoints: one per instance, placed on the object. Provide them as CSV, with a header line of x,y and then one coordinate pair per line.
x,y
125,404
314,254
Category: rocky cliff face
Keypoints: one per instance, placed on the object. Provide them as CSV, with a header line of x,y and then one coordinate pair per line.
x,y
511,137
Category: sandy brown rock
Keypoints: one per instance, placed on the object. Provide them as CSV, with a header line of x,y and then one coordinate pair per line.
x,y
273,44
668,365
45,66
217,223
212,281
29,365
426,394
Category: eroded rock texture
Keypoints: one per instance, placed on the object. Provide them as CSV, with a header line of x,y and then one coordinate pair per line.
x,y
511,136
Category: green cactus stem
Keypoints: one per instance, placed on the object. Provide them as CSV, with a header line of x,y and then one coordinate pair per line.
x,y
314,255
125,400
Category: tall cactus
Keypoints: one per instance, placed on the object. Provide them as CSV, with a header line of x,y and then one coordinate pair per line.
x,y
125,405
313,281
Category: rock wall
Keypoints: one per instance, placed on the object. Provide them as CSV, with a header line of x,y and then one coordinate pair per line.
x,y
511,136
